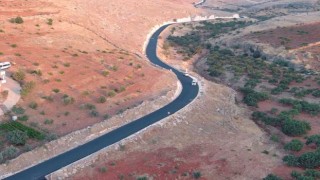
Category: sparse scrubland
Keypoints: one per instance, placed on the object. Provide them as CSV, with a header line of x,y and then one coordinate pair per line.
x,y
281,93
71,75
76,70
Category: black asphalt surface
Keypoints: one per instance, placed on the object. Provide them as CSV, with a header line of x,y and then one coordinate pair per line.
x,y
189,92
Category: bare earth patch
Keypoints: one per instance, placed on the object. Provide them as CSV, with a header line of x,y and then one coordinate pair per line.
x,y
227,144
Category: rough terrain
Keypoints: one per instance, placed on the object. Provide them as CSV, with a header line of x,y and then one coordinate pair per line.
x,y
212,136
83,61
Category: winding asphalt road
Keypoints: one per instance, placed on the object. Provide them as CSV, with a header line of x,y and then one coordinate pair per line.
x,y
188,93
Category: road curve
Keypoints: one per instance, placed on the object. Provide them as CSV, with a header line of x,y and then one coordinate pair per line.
x,y
189,92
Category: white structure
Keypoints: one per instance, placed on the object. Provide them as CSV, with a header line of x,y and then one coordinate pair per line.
x,y
3,77
5,65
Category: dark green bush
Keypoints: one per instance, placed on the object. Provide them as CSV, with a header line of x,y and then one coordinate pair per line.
x,y
14,125
309,160
291,160
304,106
102,99
17,137
17,110
261,116
17,20
27,88
19,76
294,145
33,105
314,139
295,128
272,177
251,97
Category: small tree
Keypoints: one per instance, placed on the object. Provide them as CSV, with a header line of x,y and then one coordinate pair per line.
x,y
291,160
314,139
295,128
17,20
272,177
17,137
19,76
102,99
10,152
294,145
196,174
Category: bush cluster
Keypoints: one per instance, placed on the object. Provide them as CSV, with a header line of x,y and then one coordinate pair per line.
x,y
289,126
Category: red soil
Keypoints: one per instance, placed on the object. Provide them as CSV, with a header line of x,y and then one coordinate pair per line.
x,y
290,37
165,163
72,59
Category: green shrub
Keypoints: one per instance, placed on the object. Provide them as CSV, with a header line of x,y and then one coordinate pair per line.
x,y
48,98
33,105
23,118
316,93
312,173
309,174
94,113
17,20
14,125
295,128
251,97
309,160
261,116
106,116
19,76
17,137
67,100
27,88
36,72
90,106
105,73
142,178
294,145
51,137
49,22
111,93
196,174
102,99
56,90
290,160
272,177
284,120
103,169
274,138
304,106
314,139
66,64
48,121
17,110
10,152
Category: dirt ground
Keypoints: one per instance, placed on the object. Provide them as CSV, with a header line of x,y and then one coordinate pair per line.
x,y
80,56
290,37
212,136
